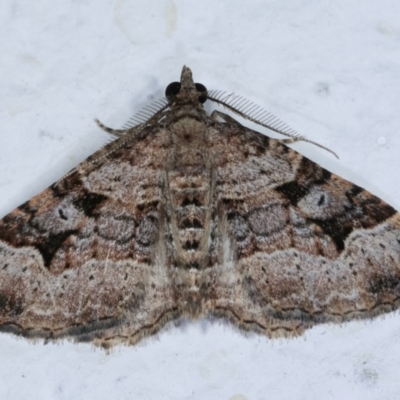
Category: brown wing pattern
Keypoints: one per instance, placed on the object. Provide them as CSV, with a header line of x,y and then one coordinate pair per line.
x,y
185,215
302,245
87,255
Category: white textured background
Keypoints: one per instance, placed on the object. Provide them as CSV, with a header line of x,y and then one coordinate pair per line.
x,y
330,69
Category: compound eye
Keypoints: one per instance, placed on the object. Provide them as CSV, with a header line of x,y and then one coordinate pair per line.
x,y
202,89
172,89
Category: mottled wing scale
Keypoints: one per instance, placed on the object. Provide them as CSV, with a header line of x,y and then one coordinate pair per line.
x,y
188,215
308,246
79,259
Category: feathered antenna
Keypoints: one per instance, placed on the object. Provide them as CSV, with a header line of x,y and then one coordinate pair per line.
x,y
146,113
254,113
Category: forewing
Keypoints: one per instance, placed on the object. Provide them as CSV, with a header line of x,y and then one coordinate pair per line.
x,y
86,258
298,244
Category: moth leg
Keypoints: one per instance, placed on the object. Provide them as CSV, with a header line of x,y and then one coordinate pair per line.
x,y
227,118
114,132
291,140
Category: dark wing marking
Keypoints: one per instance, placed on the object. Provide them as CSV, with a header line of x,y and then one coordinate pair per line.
x,y
301,245
86,257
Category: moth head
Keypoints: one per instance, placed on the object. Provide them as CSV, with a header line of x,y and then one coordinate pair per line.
x,y
186,90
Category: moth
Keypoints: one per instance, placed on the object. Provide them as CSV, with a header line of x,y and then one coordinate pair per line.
x,y
186,214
